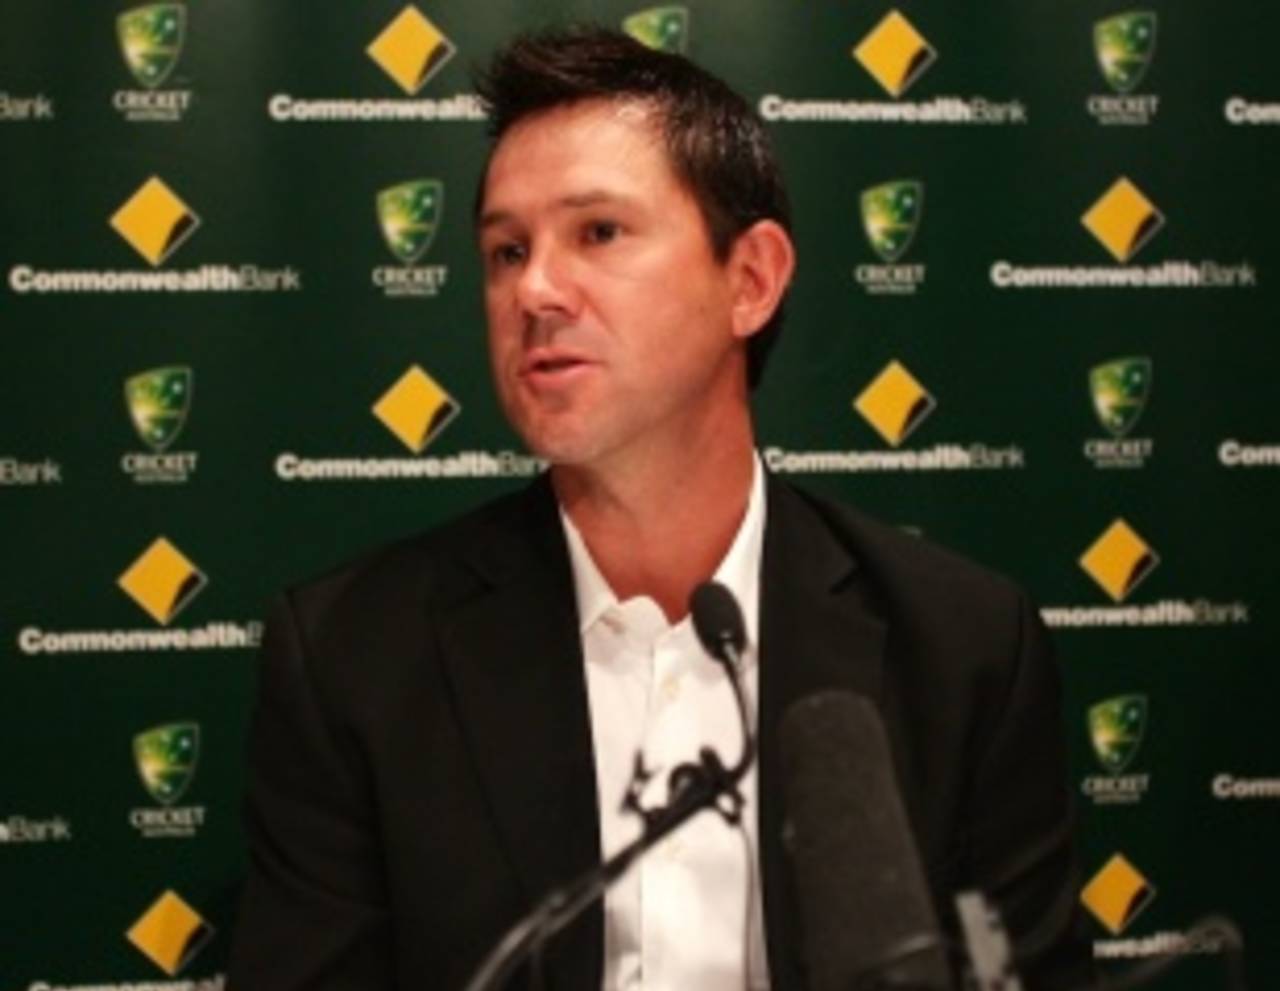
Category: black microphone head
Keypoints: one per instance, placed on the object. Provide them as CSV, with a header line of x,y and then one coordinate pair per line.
x,y
717,620
864,902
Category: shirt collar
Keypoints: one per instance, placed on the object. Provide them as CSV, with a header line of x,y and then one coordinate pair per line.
x,y
739,571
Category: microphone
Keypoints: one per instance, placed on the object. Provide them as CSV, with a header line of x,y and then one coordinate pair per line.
x,y
718,622
868,919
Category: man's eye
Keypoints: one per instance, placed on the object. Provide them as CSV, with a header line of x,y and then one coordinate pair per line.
x,y
507,254
601,231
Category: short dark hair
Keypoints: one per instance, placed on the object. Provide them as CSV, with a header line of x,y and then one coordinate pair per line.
x,y
716,144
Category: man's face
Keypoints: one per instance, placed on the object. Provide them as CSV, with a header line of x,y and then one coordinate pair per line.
x,y
609,317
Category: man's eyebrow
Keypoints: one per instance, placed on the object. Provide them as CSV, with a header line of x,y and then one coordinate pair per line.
x,y
574,201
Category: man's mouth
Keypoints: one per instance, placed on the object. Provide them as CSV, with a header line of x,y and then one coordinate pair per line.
x,y
549,363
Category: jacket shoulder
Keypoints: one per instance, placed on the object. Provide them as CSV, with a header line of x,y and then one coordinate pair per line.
x,y
431,569
895,555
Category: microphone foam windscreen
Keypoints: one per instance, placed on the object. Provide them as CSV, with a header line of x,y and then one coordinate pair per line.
x,y
717,619
862,890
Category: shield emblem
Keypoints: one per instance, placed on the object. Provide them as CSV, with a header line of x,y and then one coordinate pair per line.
x,y
166,759
151,40
409,215
1120,389
663,28
158,401
891,213
1116,728
1124,45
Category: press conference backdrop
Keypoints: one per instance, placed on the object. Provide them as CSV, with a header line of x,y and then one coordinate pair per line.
x,y
242,338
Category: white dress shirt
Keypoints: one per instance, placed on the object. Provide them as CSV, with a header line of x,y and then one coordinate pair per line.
x,y
688,915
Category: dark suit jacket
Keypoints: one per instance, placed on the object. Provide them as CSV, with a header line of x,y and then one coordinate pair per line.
x,y
421,766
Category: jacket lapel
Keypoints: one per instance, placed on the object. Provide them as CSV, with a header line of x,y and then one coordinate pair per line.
x,y
514,657
818,631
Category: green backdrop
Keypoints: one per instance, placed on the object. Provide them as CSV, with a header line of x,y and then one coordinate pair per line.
x,y
1033,321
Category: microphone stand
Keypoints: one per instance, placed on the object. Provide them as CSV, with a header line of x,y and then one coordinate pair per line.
x,y
707,784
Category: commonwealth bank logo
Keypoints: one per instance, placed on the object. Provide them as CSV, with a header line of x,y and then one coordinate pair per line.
x,y
1124,46
891,214
162,581
665,29
158,401
895,53
151,40
1120,389
1123,220
411,49
409,215
416,409
166,759
155,221
894,403
1116,729
1119,560
1116,894
170,933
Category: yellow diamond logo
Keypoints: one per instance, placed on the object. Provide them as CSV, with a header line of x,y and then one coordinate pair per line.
x,y
155,221
162,581
894,403
170,933
1119,560
895,53
1116,894
416,409
1123,220
411,49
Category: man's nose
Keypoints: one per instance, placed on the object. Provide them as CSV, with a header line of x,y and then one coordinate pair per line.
x,y
546,283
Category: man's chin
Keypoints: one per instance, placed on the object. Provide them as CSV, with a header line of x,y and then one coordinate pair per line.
x,y
564,450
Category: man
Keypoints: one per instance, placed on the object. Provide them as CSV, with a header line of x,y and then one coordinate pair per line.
x,y
445,728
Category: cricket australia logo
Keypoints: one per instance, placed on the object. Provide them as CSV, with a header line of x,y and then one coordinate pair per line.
x,y
409,217
158,401
665,29
166,758
891,213
1119,389
151,39
1124,46
1116,728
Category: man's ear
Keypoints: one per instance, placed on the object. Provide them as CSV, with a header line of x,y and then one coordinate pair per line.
x,y
760,266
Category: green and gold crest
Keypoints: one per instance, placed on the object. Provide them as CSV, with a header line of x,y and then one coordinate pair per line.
x,y
166,758
890,216
663,28
1120,389
1125,45
151,40
1116,728
158,401
409,215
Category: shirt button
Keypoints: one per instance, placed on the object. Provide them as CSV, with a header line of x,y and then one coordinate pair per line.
x,y
670,688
